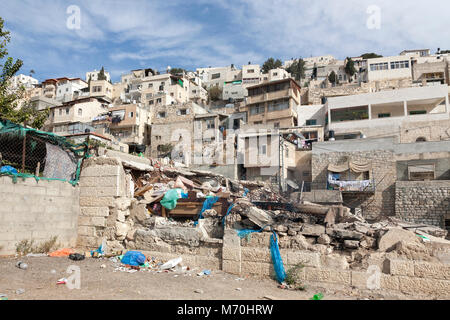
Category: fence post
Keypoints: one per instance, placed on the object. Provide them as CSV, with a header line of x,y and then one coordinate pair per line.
x,y
24,146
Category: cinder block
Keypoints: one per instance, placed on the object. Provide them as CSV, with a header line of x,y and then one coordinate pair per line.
x,y
327,275
96,202
424,269
233,267
420,286
307,258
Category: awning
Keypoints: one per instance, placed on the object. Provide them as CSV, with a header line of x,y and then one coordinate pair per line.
x,y
351,165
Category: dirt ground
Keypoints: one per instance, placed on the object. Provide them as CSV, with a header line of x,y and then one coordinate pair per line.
x,y
39,282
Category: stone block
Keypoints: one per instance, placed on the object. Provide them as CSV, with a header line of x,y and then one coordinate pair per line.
x,y
86,231
100,171
231,253
96,212
99,191
334,261
312,230
306,258
424,269
230,266
96,202
257,268
256,255
427,287
399,267
328,275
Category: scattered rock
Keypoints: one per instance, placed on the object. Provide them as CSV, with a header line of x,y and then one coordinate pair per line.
x,y
20,291
351,244
200,291
324,239
346,234
313,230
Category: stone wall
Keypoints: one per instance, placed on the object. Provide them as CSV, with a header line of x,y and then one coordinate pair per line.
x,y
396,275
37,211
423,201
373,205
105,198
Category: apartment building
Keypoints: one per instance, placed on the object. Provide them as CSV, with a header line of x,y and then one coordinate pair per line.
x,y
65,118
164,89
22,80
172,127
128,123
411,114
101,89
273,103
93,75
389,68
218,76
416,53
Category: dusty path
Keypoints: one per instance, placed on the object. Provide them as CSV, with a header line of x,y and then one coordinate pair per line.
x,y
97,283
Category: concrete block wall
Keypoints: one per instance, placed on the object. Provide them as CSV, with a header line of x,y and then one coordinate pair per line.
x,y
423,201
38,211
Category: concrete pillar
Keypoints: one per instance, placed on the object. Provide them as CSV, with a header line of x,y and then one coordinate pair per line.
x,y
447,107
405,108
370,112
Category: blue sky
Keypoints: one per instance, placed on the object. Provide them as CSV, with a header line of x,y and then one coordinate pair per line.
x,y
126,35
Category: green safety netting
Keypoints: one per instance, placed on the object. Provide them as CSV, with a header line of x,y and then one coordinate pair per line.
x,y
79,150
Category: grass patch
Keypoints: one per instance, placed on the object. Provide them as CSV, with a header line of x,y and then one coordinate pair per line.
x,y
293,277
25,247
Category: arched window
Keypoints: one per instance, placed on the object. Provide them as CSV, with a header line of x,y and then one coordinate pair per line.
x,y
421,139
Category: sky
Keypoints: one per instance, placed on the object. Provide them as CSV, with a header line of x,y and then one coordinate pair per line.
x,y
126,35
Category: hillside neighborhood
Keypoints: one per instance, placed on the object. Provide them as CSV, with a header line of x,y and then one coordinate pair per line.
x,y
323,174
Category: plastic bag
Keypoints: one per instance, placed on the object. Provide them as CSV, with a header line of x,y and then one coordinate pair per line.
x,y
276,259
133,258
61,253
171,263
169,201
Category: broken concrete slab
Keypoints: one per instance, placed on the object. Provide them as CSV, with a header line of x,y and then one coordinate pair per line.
x,y
351,244
390,239
312,230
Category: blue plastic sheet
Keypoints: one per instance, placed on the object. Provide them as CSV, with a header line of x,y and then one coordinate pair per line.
x,y
133,258
208,204
276,258
228,212
8,169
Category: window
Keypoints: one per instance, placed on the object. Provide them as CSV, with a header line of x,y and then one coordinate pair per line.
x,y
257,122
158,137
306,173
161,114
379,66
278,105
149,96
263,149
417,112
67,89
194,91
250,71
275,74
287,152
67,111
96,89
384,115
421,172
80,112
151,102
421,139
150,85
130,115
183,112
311,122
215,76
159,100
210,124
399,64
276,125
257,109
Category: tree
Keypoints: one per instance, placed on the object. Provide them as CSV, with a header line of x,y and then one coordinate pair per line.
x,y
175,71
370,55
271,64
11,107
332,77
101,74
297,69
32,72
214,93
350,68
